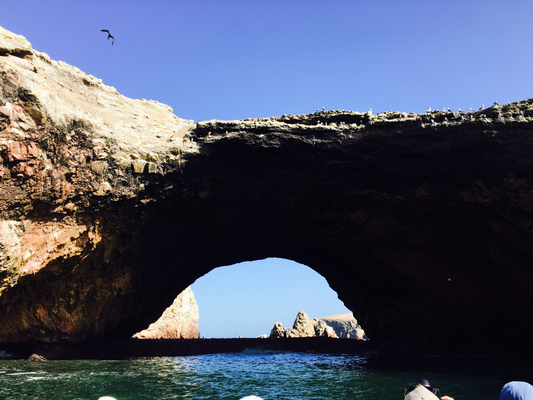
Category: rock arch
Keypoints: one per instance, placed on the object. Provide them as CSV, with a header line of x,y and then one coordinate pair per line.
x,y
110,207
401,226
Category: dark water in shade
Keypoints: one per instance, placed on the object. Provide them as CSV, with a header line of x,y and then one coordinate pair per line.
x,y
267,375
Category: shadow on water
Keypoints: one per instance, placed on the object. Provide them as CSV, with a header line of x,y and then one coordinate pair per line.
x,y
455,376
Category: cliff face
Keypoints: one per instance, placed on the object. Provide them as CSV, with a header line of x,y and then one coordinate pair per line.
x,y
72,152
345,326
111,207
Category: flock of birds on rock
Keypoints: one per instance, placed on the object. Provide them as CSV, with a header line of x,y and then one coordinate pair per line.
x,y
444,109
348,122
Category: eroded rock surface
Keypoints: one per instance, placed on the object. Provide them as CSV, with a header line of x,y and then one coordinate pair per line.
x,y
345,326
72,150
303,327
110,207
278,331
179,321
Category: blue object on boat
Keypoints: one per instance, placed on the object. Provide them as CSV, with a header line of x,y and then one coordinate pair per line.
x,y
517,390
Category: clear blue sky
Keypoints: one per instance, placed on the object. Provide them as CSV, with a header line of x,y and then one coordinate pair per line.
x,y
231,59
248,298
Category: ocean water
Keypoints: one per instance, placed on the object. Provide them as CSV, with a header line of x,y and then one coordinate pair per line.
x,y
267,375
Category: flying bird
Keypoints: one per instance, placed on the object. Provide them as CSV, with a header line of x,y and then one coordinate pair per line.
x,y
109,36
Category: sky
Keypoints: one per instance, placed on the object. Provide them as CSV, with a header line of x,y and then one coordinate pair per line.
x,y
248,298
236,59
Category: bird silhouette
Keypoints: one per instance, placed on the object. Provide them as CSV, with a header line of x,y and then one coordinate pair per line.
x,y
109,36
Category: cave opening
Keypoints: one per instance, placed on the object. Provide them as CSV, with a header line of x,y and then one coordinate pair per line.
x,y
246,299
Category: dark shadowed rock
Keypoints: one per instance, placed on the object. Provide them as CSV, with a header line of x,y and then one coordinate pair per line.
x,y
110,207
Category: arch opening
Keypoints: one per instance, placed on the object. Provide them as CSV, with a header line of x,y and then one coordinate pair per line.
x,y
246,299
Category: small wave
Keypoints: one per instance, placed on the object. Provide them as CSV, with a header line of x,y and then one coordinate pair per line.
x,y
24,373
261,351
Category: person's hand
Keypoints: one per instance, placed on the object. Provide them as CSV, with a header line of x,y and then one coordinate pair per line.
x,y
446,398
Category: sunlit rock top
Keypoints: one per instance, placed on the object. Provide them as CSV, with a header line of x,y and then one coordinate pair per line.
x,y
59,93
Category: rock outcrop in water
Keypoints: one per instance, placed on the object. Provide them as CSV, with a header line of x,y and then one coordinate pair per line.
x,y
303,327
179,321
110,207
345,326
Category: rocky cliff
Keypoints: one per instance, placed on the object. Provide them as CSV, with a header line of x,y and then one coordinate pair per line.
x,y
345,326
110,207
72,152
179,321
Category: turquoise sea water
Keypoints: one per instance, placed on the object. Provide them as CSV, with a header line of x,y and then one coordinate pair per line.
x,y
267,375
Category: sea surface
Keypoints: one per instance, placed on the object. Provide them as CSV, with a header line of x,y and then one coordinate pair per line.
x,y
265,374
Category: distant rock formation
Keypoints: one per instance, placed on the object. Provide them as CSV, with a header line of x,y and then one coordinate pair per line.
x,y
345,326
278,331
303,327
179,321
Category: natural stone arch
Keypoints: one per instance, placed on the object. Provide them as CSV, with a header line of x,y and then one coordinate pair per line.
x,y
420,223
407,256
